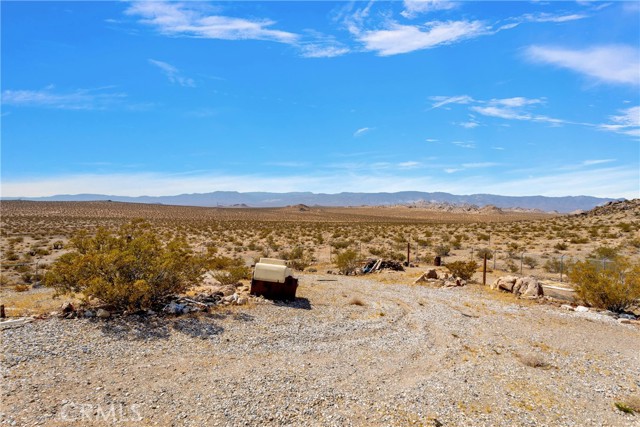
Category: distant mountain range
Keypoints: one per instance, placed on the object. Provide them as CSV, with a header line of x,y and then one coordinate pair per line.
x,y
262,199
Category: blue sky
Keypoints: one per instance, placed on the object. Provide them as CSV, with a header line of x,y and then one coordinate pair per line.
x,y
157,98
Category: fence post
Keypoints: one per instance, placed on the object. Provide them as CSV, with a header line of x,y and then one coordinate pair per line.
x,y
484,270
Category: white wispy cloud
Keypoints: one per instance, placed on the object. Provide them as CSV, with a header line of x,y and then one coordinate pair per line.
x,y
515,108
464,144
323,50
193,20
173,74
362,131
469,124
396,38
441,101
627,122
413,8
618,64
597,162
78,99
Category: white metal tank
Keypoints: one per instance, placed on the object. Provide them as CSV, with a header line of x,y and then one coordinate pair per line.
x,y
271,270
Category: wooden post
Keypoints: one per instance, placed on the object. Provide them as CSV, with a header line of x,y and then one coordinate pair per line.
x,y
2,314
408,253
484,270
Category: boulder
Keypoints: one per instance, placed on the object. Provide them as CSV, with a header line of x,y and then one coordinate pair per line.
x,y
242,300
505,283
527,287
581,309
89,314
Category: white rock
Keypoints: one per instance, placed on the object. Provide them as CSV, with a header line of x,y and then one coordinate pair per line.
x,y
566,307
103,314
242,301
581,309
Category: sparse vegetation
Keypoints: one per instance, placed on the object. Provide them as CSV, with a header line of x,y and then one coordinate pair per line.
x,y
462,269
347,261
131,269
615,288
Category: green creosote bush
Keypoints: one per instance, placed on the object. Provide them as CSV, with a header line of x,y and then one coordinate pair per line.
x,y
130,269
482,251
463,269
347,261
615,288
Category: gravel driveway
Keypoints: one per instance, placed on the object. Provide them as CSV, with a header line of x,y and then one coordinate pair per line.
x,y
349,351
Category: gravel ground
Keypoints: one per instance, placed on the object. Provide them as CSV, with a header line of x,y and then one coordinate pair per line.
x,y
409,355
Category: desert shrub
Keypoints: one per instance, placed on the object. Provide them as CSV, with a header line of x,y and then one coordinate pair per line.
x,y
552,265
482,251
614,288
341,244
442,250
601,252
376,251
12,256
625,227
561,246
21,288
297,258
347,261
232,275
129,269
57,245
512,267
530,261
483,236
462,269
222,262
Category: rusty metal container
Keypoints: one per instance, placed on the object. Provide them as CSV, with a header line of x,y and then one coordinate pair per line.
x,y
273,280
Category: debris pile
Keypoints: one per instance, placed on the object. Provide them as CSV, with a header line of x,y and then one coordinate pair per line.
x,y
440,278
372,265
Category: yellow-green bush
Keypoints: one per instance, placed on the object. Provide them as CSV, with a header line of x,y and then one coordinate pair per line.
x,y
130,269
462,269
615,287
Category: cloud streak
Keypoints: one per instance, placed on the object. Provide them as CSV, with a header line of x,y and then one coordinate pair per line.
x,y
396,38
192,20
614,64
172,73
78,99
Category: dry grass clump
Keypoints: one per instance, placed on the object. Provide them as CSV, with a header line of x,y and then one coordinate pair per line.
x,y
629,405
356,301
533,360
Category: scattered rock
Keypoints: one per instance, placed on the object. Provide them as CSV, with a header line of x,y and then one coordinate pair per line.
x,y
566,307
581,309
89,314
242,300
432,274
66,307
103,314
174,308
